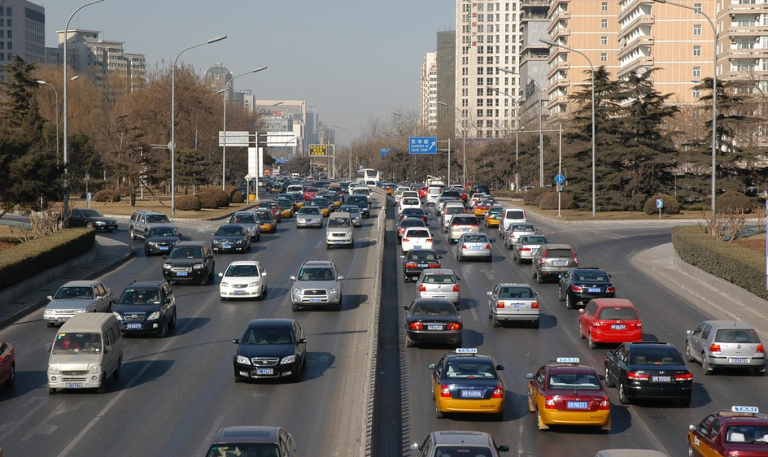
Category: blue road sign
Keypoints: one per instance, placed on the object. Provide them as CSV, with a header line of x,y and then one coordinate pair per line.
x,y
422,145
385,152
559,178
659,203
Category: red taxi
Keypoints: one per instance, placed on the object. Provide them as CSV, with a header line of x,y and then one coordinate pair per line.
x,y
741,431
567,393
310,193
610,320
272,206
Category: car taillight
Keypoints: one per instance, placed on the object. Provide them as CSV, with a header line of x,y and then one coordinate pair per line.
x,y
549,402
456,288
417,326
524,249
422,288
463,247
610,290
435,265
454,326
638,376
444,392
429,240
604,404
500,304
487,247
498,392
683,377
410,265
406,240
577,289
714,347
535,305
760,349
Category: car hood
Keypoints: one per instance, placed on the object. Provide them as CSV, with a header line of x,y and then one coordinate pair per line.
x,y
183,262
74,361
221,239
241,279
266,350
315,284
310,216
70,304
149,309
162,239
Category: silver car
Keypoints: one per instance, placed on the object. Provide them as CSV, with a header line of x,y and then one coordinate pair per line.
x,y
354,213
76,297
309,216
449,211
526,246
725,344
516,231
513,302
474,246
461,224
439,283
249,220
551,261
317,284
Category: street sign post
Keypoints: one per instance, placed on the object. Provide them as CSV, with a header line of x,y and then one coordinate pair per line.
x,y
318,150
559,179
660,205
422,145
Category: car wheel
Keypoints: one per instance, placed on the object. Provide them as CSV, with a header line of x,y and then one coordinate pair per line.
x,y
531,405
608,380
623,398
337,306
223,298
539,279
295,307
690,450
459,258
51,391
688,356
50,324
258,237
568,301
759,371
146,252
536,323
102,387
172,323
133,236
592,344
439,414
685,402
11,377
705,368
296,376
581,333
89,225
498,417
116,373
542,425
408,342
458,343
495,322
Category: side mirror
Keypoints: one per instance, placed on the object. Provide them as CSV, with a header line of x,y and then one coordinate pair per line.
x,y
405,307
341,277
692,428
402,256
108,348
236,341
50,297
113,301
179,234
221,275
609,353
581,310
48,347
413,447
503,448
489,293
499,367
302,340
264,274
292,278
165,256
689,332
431,366
529,376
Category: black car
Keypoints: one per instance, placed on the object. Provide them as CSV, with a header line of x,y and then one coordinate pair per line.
x,y
231,238
580,285
414,212
146,307
408,223
480,188
84,217
160,239
418,260
432,320
270,349
648,370
189,261
252,440
361,201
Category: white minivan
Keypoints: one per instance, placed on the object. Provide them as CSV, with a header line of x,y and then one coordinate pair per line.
x,y
87,349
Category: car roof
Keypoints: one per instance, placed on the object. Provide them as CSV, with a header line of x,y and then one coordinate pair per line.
x,y
84,283
247,434
439,271
144,284
269,322
729,324
163,226
461,437
317,263
230,225
244,262
190,243
514,284
613,302
559,246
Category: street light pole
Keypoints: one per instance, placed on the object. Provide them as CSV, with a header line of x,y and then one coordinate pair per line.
x,y
172,144
714,98
552,43
56,92
517,135
349,150
224,144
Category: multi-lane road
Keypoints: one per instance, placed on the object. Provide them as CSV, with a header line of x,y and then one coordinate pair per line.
x,y
176,392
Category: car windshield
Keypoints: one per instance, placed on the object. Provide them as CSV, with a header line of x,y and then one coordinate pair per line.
x,y
457,369
656,357
309,210
73,293
439,279
264,216
421,254
412,222
593,275
157,218
242,450
242,219
563,253
417,234
463,220
617,313
523,228
186,253
339,222
229,231
140,297
316,274
350,209
574,381
356,199
516,292
736,335
268,335
535,240
435,308
242,270
77,342
515,215
474,239
162,232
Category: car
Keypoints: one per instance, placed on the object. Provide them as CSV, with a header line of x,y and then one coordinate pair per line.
x,y
85,217
160,239
422,191
76,297
414,213
310,193
7,364
551,261
526,246
654,370
433,194
267,221
361,201
474,246
610,320
461,224
326,206
309,216
243,279
249,220
511,216
741,430
418,260
189,261
252,440
482,206
725,344
516,231
439,283
442,201
493,216
629,453
398,194
476,197
141,220
408,223
451,209
317,284
230,238
298,198
579,285
565,392
270,349
146,307
354,213
467,382
364,191
459,443
287,205
272,206
513,302
340,231
416,238
432,320
480,188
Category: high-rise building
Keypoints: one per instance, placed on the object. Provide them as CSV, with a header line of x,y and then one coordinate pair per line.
x,y
22,32
217,76
428,90
446,80
533,58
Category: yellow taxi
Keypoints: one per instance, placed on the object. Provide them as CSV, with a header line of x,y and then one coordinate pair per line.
x,y
325,205
466,382
287,206
742,430
267,220
493,216
482,207
567,393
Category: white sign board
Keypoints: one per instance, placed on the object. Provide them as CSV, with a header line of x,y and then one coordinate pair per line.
x,y
235,138
256,162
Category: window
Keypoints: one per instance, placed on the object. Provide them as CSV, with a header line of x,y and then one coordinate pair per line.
x,y
479,81
479,70
603,23
697,72
696,29
604,40
480,92
480,114
696,51
9,22
603,57
697,8
604,6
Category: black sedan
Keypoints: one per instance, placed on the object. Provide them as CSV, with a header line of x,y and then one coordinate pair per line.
x,y
230,238
417,260
432,320
271,349
648,370
84,217
414,213
160,239
580,285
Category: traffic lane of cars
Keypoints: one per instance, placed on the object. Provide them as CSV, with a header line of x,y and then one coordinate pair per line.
x,y
165,375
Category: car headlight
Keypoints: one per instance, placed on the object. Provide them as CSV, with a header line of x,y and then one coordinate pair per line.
x,y
296,291
198,266
167,266
241,359
154,316
54,369
224,284
289,359
94,369
332,291
238,241
81,311
47,312
100,223
254,284
117,315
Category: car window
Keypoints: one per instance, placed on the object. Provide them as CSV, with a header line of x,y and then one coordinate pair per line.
x,y
466,369
439,279
705,331
561,253
434,309
590,275
242,270
162,232
535,240
316,274
73,293
577,381
186,253
339,222
515,214
227,231
655,357
242,219
309,210
157,218
475,239
418,233
736,336
140,297
516,292
421,254
617,313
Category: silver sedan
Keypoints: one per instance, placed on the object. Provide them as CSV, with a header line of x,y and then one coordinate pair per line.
x,y
474,246
439,283
309,216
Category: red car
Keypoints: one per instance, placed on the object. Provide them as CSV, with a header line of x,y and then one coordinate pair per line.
x,y
7,364
423,191
610,320
742,431
272,206
310,193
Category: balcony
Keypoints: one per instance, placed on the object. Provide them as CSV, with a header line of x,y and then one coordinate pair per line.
x,y
639,21
555,24
631,7
560,32
558,83
646,41
557,101
561,66
747,9
752,31
640,62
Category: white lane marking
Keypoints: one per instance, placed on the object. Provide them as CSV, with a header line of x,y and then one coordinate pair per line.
x,y
10,427
47,429
210,436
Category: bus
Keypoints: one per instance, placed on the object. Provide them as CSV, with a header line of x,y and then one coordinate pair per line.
x,y
364,175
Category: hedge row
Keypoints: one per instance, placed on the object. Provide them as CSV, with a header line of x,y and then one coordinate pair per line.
x,y
28,259
739,265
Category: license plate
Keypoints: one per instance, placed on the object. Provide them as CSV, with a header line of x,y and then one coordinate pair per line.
x,y
315,300
132,326
559,263
434,327
517,305
475,248
163,248
472,394
73,385
465,230
738,360
422,265
338,242
417,247
577,405
181,273
226,246
439,296
265,371
239,292
661,378
618,327
593,290
63,319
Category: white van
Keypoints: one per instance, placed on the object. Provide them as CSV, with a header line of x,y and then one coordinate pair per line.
x,y
433,194
87,349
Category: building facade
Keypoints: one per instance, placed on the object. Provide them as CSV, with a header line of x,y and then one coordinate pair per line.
x,y
428,91
22,32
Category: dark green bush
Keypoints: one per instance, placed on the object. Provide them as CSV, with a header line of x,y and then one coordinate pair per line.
x,y
532,196
549,200
106,195
188,203
734,201
670,205
208,200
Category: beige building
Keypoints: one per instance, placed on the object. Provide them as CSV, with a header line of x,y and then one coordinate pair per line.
x,y
428,91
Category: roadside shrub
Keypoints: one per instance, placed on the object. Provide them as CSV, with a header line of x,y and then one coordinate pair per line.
x,y
188,203
532,196
222,199
549,200
237,196
106,195
670,205
734,201
208,200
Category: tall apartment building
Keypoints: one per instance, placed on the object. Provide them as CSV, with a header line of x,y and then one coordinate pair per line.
x,y
445,68
217,76
22,32
534,24
428,104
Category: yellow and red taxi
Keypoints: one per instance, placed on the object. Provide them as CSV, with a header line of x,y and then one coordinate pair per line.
x,y
466,382
272,206
287,205
493,216
267,220
482,207
565,392
741,431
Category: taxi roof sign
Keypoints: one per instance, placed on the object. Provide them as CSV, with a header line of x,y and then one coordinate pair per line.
x,y
567,360
466,350
745,409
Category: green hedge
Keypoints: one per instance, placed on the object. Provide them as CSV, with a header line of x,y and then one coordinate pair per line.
x,y
28,259
736,264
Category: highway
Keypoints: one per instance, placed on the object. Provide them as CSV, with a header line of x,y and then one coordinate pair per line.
x,y
175,393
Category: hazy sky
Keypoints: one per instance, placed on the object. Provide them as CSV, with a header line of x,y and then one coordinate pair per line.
x,y
355,60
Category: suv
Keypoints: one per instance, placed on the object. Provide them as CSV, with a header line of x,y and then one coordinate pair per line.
x,y
340,231
189,261
141,221
317,284
552,261
146,307
725,344
76,297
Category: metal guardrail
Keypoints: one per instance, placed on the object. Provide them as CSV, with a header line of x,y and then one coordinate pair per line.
x,y
16,224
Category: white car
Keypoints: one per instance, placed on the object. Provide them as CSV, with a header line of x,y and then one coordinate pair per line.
x,y
416,238
408,202
243,279
511,216
399,193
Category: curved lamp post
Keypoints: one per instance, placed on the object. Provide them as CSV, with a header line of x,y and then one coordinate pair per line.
x,y
56,93
172,144
349,150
